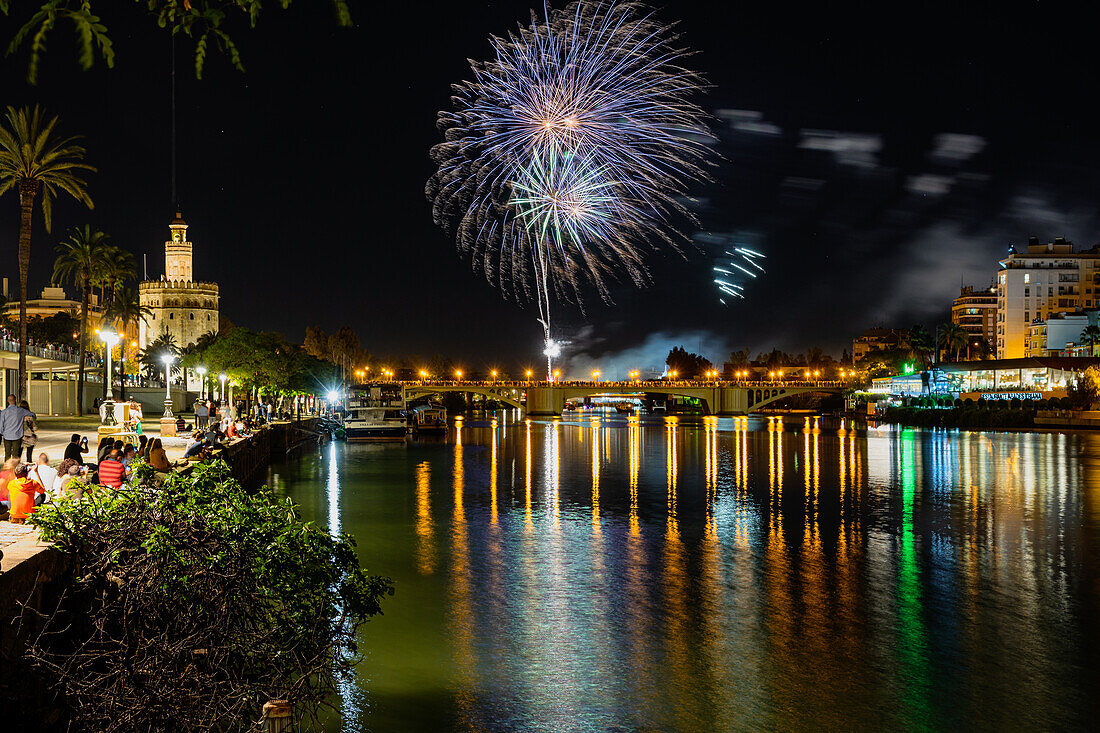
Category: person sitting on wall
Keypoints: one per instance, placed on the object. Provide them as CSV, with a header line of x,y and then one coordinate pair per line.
x,y
24,492
181,424
158,458
111,470
7,473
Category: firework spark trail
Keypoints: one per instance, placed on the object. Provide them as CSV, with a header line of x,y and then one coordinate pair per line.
x,y
743,259
569,154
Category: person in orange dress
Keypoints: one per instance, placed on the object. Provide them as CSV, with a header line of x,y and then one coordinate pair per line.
x,y
23,491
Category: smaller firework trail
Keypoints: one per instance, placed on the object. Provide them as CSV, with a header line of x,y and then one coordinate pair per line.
x,y
732,269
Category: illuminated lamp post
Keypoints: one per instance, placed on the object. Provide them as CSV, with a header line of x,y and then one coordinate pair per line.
x,y
109,339
596,376
167,420
201,371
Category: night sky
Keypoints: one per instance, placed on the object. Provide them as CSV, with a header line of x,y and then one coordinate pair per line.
x,y
877,155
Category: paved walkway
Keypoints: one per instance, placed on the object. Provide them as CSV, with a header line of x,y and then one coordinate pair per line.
x,y
54,434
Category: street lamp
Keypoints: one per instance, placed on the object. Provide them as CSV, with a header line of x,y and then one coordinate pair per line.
x,y
423,375
109,338
493,373
528,373
201,371
221,378
557,374
167,359
596,375
458,375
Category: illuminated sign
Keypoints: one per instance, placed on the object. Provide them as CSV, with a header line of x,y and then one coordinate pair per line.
x,y
1012,395
908,368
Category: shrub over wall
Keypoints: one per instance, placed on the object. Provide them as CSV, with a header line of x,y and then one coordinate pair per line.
x,y
194,603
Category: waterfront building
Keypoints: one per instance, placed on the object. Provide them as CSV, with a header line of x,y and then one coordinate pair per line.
x,y
976,312
879,340
52,301
180,306
1052,336
1026,378
1044,280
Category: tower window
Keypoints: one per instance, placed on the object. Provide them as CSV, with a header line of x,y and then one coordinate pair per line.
x,y
172,316
192,316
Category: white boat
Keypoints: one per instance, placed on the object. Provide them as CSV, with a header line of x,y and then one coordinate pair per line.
x,y
376,411
429,419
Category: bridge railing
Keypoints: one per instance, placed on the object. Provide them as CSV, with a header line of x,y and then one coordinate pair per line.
x,y
658,385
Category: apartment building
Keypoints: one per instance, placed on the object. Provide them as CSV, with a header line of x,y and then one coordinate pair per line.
x,y
1044,280
976,312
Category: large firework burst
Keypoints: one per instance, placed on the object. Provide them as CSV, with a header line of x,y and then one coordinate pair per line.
x,y
569,153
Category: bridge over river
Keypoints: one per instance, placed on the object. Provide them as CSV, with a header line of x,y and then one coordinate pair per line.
x,y
718,397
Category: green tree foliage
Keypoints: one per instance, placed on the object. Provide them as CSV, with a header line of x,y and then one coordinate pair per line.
x,y
194,602
204,21
686,364
264,362
34,160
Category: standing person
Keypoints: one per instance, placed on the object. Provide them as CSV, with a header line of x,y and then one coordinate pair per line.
x,y
201,413
75,448
11,427
30,430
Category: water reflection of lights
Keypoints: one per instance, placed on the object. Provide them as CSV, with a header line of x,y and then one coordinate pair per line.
x,y
527,521
425,548
493,475
596,458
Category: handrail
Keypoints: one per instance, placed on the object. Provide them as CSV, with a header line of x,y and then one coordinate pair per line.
x,y
656,384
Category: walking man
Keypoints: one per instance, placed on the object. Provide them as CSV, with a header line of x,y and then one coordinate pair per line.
x,y
11,427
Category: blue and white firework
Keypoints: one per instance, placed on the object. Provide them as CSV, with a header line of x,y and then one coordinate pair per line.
x,y
570,152
733,268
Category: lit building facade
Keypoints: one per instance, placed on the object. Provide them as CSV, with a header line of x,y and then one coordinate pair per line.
x,y
1059,333
877,340
1045,280
976,312
179,305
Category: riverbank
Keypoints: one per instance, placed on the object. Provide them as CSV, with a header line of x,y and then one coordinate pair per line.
x,y
32,575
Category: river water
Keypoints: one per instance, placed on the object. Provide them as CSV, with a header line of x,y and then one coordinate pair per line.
x,y
604,573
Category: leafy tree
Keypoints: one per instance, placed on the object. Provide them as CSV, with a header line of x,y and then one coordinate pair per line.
x,y
79,261
35,160
228,599
204,21
687,365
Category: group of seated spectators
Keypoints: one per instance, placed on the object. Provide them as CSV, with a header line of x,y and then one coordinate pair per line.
x,y
23,486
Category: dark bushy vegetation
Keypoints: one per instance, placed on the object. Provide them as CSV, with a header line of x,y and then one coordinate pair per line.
x,y
193,603
933,412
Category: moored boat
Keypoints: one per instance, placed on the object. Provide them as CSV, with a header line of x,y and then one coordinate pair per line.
x,y
376,411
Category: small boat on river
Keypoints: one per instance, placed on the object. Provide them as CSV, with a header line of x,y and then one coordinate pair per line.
x,y
376,411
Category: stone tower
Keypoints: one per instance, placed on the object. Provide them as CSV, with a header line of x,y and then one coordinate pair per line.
x,y
177,252
179,305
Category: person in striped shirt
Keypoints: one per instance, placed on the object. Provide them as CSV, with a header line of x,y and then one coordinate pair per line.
x,y
111,470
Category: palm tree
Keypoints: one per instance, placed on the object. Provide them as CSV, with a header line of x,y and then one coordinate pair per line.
x,y
920,341
118,269
34,159
1091,337
125,309
152,359
79,261
953,338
